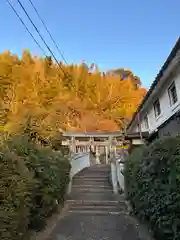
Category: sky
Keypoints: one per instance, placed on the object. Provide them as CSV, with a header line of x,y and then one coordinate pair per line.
x,y
136,35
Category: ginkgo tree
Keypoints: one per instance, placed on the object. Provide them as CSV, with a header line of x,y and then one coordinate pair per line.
x,y
49,98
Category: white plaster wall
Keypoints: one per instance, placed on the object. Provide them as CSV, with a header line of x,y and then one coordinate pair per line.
x,y
166,109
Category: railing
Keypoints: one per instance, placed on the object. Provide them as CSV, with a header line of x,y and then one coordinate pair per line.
x,y
79,161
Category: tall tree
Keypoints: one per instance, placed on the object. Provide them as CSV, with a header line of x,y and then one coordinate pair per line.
x,y
43,97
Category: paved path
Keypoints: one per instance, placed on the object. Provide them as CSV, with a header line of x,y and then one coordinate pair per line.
x,y
94,213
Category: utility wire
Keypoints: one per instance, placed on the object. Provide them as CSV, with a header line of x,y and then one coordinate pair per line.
x,y
26,27
50,35
21,5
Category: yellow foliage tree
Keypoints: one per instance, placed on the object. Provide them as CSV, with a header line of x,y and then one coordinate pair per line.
x,y
38,95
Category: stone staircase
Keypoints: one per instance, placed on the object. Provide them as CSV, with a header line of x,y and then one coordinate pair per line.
x,y
94,213
92,193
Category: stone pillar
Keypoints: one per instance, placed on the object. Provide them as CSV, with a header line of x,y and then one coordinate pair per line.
x,y
78,149
88,148
92,143
97,156
114,144
113,166
114,177
114,151
107,152
73,144
110,142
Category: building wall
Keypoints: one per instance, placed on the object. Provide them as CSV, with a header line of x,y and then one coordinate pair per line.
x,y
166,109
172,128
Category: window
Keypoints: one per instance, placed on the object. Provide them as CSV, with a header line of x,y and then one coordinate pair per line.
x,y
146,122
157,108
172,94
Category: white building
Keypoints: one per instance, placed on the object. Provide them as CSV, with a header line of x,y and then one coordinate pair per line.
x,y
159,112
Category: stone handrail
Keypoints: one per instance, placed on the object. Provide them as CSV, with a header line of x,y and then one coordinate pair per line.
x,y
117,167
79,161
120,176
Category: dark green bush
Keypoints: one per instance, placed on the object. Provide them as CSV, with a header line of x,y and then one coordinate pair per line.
x,y
50,172
15,191
152,179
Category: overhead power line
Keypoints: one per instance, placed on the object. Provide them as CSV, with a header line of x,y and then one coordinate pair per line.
x,y
23,8
37,30
38,44
50,35
27,29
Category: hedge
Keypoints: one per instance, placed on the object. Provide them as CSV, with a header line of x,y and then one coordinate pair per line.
x,y
152,180
48,175
15,187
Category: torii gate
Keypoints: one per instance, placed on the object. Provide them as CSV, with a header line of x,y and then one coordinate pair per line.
x,y
98,142
109,141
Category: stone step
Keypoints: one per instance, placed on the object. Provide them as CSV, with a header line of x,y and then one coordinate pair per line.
x,y
107,196
92,190
96,212
93,211
92,175
87,186
99,179
93,172
103,171
95,202
92,207
94,180
99,208
92,183
100,204
97,169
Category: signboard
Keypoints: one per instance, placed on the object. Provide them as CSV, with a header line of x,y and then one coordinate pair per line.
x,y
137,142
122,147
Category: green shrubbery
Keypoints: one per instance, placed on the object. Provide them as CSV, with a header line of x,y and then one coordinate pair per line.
x,y
15,187
33,182
152,178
